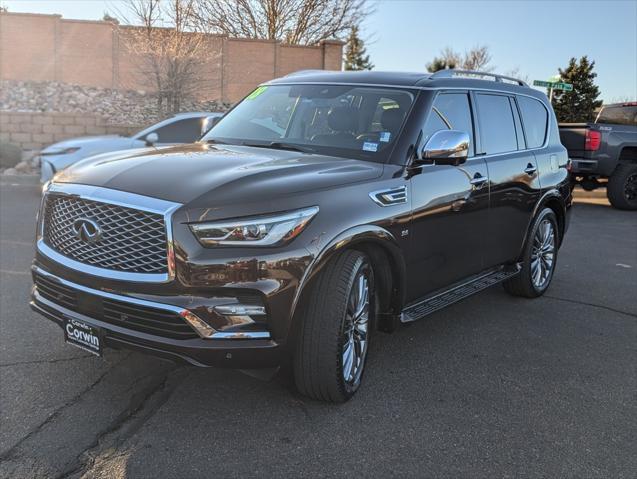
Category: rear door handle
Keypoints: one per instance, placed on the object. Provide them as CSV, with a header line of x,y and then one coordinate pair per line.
x,y
530,169
478,179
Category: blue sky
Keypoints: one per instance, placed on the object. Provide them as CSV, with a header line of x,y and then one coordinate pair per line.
x,y
533,36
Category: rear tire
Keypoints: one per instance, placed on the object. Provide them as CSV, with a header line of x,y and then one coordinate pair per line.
x,y
333,342
538,258
622,187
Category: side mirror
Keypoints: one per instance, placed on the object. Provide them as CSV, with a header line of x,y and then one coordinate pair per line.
x,y
151,139
446,147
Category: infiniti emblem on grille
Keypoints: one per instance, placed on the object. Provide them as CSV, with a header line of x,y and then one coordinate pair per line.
x,y
87,230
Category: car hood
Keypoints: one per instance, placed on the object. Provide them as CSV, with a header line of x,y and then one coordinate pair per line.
x,y
88,141
200,174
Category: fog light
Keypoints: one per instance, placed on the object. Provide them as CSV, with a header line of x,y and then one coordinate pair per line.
x,y
203,329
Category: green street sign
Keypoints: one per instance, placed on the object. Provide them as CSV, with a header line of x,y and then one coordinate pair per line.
x,y
553,85
563,86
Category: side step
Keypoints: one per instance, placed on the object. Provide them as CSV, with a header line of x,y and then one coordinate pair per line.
x,y
440,300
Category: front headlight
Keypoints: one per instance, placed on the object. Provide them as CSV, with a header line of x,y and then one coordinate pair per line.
x,y
268,230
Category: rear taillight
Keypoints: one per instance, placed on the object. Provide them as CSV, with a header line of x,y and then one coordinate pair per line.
x,y
593,140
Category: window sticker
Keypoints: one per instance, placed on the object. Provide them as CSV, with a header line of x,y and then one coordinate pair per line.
x,y
385,136
370,146
256,92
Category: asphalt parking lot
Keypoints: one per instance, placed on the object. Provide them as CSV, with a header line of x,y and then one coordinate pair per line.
x,y
492,387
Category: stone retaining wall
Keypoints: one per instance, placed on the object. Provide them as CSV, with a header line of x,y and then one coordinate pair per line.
x,y
35,130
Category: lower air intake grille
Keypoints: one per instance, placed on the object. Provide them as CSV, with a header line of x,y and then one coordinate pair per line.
x,y
127,315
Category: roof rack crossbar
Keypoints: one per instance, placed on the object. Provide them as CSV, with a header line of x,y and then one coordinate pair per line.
x,y
450,73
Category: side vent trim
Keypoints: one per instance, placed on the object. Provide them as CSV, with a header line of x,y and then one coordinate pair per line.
x,y
390,197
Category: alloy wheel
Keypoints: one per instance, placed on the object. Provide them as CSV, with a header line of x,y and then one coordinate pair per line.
x,y
355,329
543,254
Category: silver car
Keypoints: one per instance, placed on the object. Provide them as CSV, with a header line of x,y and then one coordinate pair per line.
x,y
181,128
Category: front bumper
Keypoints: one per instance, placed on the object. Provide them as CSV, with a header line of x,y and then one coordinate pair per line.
x,y
234,349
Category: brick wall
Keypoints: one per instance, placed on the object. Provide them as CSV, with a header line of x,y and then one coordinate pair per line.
x,y
34,130
37,47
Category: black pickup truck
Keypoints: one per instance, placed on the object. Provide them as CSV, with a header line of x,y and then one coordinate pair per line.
x,y
606,149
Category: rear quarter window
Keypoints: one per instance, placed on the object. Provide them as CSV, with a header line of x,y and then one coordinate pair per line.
x,y
535,121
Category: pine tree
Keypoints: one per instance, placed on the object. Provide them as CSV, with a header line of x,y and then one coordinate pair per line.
x,y
579,104
448,59
355,52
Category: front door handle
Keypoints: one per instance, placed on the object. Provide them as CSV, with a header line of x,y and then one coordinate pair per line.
x,y
478,179
530,169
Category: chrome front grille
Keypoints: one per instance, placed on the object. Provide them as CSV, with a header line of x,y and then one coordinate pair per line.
x,y
131,240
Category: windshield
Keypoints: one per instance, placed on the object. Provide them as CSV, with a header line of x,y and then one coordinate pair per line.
x,y
338,120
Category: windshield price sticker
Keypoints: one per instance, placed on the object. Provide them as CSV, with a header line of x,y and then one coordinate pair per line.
x,y
385,136
370,146
256,92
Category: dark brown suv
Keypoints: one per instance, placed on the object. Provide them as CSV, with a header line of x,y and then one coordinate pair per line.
x,y
322,208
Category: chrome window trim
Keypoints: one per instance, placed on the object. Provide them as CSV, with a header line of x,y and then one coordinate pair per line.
x,y
152,304
119,198
411,87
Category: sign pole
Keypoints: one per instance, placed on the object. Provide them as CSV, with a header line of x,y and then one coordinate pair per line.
x,y
551,95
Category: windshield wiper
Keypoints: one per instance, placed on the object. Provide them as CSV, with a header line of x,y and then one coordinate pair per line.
x,y
278,145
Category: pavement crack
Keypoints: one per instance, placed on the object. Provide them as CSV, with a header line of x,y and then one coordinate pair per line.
x,y
143,406
584,303
46,361
9,453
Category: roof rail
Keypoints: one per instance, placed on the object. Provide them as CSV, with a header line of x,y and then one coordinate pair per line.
x,y
450,73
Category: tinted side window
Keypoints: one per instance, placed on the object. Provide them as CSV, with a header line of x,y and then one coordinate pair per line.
x,y
188,130
535,119
451,111
497,128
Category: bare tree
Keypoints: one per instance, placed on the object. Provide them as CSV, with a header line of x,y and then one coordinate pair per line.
x,y
478,58
296,22
169,46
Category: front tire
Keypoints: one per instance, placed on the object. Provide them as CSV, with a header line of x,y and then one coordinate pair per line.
x,y
338,315
622,187
538,258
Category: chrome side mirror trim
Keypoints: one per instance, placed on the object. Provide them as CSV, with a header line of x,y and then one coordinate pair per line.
x,y
446,147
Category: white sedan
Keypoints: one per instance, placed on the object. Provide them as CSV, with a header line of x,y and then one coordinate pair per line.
x,y
181,128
